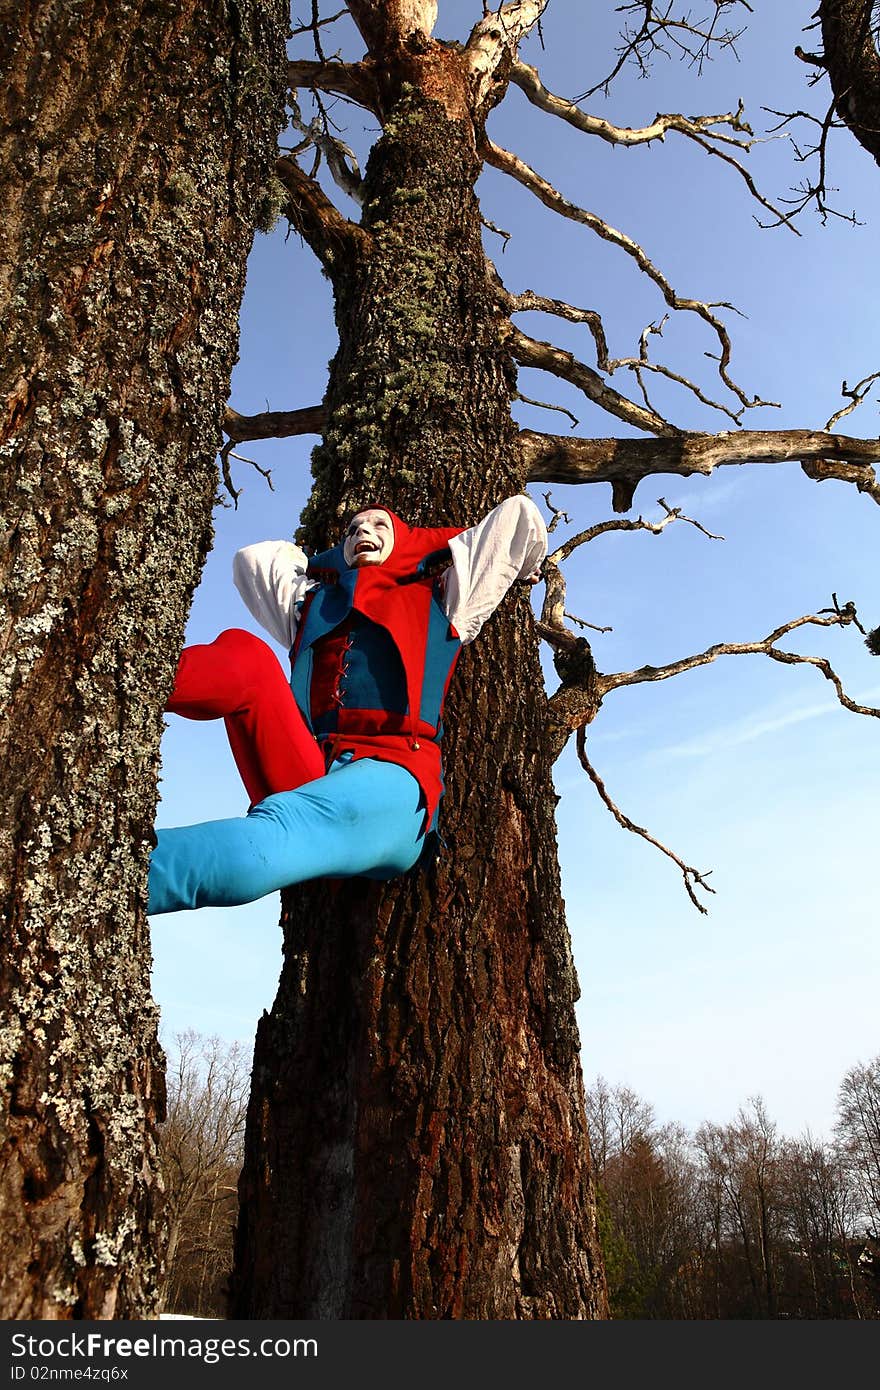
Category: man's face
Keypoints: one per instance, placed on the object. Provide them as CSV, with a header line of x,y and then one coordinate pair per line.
x,y
369,539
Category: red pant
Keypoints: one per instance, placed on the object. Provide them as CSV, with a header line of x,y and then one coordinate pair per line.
x,y
239,679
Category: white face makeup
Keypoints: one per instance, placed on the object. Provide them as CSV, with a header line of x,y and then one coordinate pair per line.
x,y
369,539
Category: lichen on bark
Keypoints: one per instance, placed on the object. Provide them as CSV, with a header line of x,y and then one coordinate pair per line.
x,y
137,138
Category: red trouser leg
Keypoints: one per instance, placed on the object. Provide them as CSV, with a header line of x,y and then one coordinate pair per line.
x,y
239,679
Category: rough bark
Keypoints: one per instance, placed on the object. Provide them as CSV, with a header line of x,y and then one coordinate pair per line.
x,y
416,1141
849,29
136,148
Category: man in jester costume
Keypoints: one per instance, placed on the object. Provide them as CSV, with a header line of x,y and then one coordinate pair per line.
x,y
342,763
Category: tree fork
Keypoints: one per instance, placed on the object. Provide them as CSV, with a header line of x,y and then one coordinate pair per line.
x,y
138,143
416,1142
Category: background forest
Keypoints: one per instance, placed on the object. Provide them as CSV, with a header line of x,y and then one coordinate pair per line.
x,y
732,1220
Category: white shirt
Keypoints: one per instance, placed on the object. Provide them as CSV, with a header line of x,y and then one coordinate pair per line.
x,y
508,544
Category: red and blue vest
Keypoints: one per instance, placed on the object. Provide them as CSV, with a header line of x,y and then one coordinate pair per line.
x,y
373,658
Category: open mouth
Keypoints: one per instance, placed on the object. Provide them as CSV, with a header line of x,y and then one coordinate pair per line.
x,y
365,547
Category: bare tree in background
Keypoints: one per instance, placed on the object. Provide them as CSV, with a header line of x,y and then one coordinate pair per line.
x,y
858,1133
201,1147
821,1272
740,1163
732,1221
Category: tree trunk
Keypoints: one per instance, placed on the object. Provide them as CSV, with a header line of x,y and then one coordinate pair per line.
x,y
137,145
849,30
416,1142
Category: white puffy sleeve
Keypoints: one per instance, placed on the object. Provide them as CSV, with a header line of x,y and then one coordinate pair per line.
x,y
508,544
271,578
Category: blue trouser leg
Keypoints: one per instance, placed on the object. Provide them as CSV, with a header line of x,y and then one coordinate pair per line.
x,y
363,818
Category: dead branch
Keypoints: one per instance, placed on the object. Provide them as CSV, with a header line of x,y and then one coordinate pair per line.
x,y
547,405
553,613
340,157
273,424
523,173
604,528
318,221
702,130
531,352
582,622
824,469
530,302
499,231
579,698
839,616
660,31
352,80
642,363
807,192
556,515
624,463
316,23
856,395
693,878
226,453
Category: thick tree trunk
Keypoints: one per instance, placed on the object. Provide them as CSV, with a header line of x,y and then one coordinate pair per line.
x,y
416,1141
138,138
849,30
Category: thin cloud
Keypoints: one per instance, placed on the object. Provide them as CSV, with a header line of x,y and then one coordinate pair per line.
x,y
727,736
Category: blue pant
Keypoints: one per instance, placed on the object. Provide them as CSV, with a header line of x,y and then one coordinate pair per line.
x,y
362,818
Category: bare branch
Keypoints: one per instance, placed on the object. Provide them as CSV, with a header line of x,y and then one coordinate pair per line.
x,y
856,396
273,424
316,23
387,23
639,365
660,31
511,164
836,617
693,878
226,453
579,698
556,515
701,129
310,211
340,157
822,470
547,405
530,302
552,626
807,192
582,622
816,60
531,352
352,80
499,231
624,463
604,528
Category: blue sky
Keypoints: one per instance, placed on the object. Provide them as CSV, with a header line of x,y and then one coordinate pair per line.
x,y
745,767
